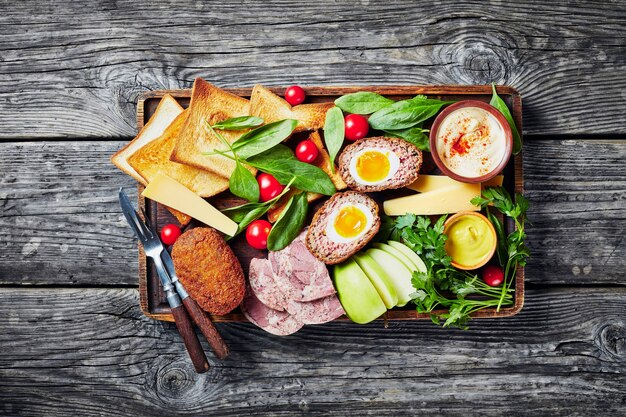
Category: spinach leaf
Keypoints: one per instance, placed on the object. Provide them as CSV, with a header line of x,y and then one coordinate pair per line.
x,y
306,177
249,212
362,102
277,152
289,223
334,133
499,104
406,113
263,138
243,184
415,135
239,123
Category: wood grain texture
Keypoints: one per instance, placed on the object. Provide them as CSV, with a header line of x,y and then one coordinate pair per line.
x,y
60,220
97,355
61,223
577,191
76,69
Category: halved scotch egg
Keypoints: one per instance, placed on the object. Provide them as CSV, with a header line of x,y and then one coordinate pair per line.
x,y
349,222
342,226
379,163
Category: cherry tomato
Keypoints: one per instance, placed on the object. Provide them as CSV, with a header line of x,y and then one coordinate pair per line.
x,y
356,127
307,151
170,233
256,233
269,187
295,95
493,275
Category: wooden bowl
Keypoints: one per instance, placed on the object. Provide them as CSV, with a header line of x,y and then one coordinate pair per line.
x,y
489,254
508,140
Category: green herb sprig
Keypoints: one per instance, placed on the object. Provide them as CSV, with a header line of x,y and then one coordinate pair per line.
x,y
334,133
428,241
363,102
415,135
239,123
512,251
290,222
499,104
242,182
405,114
401,119
261,148
281,162
249,212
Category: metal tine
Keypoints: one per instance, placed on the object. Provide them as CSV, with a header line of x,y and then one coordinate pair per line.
x,y
132,221
150,231
148,221
139,226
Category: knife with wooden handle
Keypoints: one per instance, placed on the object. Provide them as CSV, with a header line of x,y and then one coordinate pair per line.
x,y
199,316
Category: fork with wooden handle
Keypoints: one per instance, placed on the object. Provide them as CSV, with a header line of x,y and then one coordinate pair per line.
x,y
153,248
199,316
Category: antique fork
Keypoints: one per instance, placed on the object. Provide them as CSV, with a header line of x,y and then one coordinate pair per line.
x,y
153,248
199,316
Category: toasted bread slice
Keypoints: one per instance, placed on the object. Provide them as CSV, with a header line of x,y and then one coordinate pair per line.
x,y
271,108
165,113
323,162
208,104
153,159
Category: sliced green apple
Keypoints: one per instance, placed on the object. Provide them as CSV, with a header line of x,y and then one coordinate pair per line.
x,y
408,252
379,278
393,251
400,274
357,295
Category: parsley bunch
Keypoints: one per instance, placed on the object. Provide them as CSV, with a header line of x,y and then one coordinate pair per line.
x,y
512,252
441,278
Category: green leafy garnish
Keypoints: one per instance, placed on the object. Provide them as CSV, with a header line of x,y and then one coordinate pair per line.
x,y
334,133
405,113
263,138
249,212
415,135
363,102
241,183
306,177
239,123
428,241
290,222
514,247
499,104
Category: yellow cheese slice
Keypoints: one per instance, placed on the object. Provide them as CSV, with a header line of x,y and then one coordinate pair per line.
x,y
451,199
494,182
173,194
426,183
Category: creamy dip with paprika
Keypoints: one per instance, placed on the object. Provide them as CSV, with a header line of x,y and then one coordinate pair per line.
x,y
471,142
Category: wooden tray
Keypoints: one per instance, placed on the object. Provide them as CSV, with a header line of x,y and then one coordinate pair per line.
x,y
151,298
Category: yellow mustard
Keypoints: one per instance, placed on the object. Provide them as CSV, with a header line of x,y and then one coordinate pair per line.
x,y
470,240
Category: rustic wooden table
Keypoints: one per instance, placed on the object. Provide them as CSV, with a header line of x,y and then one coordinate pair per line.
x,y
72,338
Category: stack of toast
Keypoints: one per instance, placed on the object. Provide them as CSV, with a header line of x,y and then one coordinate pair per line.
x,y
175,140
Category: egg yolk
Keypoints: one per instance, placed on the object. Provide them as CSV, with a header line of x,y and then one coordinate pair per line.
x,y
350,222
372,166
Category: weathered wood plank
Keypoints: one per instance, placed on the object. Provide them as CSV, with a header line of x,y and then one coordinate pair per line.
x,y
75,69
577,191
60,220
61,223
91,352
